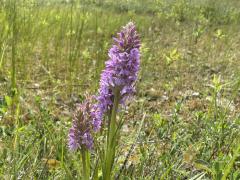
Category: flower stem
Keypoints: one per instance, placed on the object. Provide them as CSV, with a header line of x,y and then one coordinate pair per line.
x,y
111,138
86,164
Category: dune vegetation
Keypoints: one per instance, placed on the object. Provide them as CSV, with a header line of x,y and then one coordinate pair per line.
x,y
183,121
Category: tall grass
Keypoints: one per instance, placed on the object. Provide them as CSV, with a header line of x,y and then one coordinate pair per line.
x,y
51,52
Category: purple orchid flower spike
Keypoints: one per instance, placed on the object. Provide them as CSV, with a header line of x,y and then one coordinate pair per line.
x,y
80,134
120,72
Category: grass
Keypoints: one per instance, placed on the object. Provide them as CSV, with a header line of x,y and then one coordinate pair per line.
x,y
51,52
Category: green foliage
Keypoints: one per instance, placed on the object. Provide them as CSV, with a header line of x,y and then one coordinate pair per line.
x,y
51,52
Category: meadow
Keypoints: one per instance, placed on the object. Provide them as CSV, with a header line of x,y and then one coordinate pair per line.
x,y
182,123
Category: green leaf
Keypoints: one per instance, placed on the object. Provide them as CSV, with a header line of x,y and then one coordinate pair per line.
x,y
203,167
230,165
8,100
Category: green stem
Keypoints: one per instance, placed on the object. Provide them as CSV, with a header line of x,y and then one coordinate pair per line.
x,y
86,164
14,34
111,138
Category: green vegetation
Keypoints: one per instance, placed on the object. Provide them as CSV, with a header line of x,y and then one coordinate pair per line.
x,y
184,122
